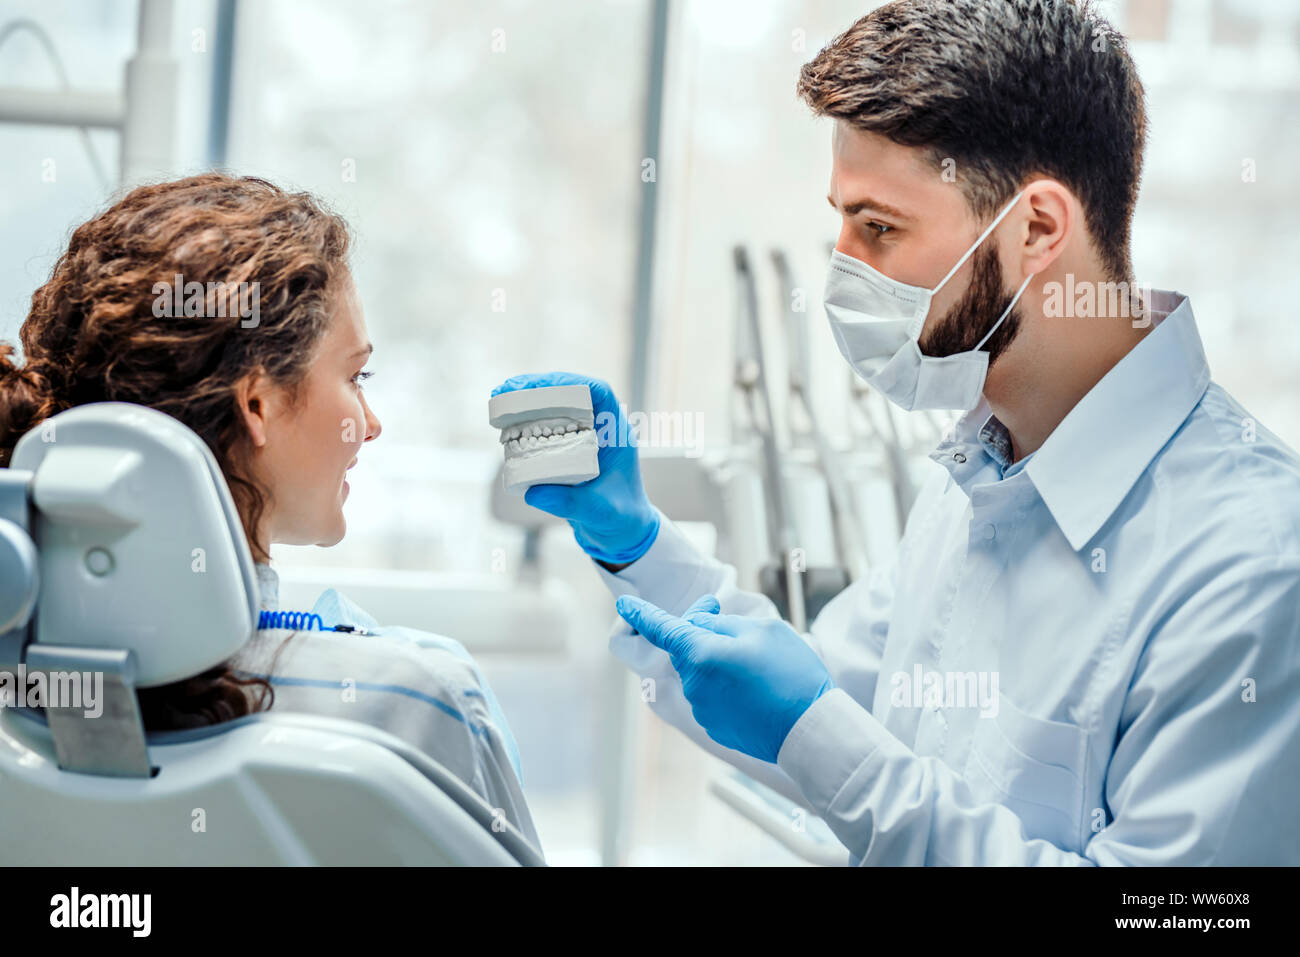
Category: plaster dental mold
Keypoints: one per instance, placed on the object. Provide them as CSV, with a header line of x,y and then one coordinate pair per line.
x,y
548,434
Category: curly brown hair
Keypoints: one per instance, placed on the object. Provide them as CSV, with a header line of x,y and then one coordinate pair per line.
x,y
93,335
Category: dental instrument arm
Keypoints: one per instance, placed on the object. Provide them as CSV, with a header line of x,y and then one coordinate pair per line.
x,y
849,547
891,442
751,381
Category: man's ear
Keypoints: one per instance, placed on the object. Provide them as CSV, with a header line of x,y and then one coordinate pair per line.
x,y
1048,226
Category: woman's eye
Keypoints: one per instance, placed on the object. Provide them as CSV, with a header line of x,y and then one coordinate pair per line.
x,y
362,376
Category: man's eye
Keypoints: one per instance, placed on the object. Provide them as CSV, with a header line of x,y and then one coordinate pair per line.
x,y
880,228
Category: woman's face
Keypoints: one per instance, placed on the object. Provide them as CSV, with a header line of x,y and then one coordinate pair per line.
x,y
303,450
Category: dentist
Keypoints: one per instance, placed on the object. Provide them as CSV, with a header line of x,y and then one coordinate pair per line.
x,y
1107,533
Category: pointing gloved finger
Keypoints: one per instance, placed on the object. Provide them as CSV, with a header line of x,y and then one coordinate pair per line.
x,y
707,604
725,624
672,634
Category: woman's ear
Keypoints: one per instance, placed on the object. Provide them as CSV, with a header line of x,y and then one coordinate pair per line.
x,y
254,404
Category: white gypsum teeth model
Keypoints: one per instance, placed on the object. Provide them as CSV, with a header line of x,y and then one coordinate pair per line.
x,y
548,434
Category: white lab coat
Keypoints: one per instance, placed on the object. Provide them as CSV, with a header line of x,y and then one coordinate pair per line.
x,y
1134,586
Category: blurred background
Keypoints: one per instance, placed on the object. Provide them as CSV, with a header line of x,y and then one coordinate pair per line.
x,y
562,185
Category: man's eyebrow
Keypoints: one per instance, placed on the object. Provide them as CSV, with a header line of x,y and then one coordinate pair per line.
x,y
857,206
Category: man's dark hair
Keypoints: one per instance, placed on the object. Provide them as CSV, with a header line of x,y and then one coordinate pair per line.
x,y
1005,90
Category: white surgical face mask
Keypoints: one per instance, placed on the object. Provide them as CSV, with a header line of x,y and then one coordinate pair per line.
x,y
877,322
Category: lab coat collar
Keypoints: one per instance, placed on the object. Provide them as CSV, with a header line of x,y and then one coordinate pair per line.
x,y
1100,449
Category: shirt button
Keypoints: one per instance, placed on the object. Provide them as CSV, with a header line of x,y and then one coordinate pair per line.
x,y
989,532
958,457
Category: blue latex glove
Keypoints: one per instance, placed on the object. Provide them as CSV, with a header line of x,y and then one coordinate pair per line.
x,y
612,519
748,680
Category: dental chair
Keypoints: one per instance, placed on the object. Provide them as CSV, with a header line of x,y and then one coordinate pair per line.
x,y
121,553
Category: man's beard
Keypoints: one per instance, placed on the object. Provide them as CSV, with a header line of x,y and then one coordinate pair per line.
x,y
972,316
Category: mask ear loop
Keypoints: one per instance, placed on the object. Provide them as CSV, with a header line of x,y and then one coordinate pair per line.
x,y
1005,313
983,236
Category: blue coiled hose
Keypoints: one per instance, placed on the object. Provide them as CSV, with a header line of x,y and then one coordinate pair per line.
x,y
301,621
296,620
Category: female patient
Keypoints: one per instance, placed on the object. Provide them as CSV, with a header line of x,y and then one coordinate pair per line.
x,y
271,381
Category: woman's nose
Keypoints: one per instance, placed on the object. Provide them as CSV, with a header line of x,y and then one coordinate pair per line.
x,y
373,425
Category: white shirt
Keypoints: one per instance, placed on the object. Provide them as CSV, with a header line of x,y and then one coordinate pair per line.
x,y
1134,586
420,687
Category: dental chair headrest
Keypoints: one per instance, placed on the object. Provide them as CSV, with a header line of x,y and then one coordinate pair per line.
x,y
139,543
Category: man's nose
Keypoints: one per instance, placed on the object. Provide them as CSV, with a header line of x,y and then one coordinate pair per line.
x,y
848,242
